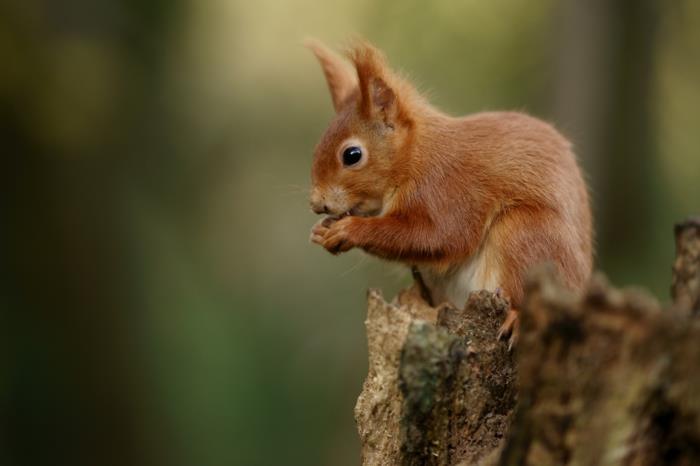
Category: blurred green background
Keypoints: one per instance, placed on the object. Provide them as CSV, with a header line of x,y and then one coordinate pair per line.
x,y
161,302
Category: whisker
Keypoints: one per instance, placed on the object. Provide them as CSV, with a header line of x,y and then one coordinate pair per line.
x,y
360,262
293,190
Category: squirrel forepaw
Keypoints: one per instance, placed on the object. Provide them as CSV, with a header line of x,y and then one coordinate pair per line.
x,y
332,236
319,231
337,239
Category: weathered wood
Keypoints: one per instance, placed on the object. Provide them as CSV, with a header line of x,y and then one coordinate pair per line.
x,y
440,388
685,285
608,377
379,406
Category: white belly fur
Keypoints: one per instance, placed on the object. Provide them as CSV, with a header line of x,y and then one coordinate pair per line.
x,y
454,286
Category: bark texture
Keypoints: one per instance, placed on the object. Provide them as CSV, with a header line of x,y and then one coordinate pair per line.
x,y
685,287
440,388
605,378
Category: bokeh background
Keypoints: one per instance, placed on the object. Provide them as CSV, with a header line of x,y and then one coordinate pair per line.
x,y
161,303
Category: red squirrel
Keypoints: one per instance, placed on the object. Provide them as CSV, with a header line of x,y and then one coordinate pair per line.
x,y
470,202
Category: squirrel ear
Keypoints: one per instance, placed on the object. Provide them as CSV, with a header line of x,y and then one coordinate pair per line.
x,y
340,77
378,98
383,100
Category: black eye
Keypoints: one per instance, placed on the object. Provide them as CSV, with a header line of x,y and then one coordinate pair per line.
x,y
352,155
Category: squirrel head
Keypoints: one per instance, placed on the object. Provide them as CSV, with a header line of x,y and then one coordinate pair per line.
x,y
357,165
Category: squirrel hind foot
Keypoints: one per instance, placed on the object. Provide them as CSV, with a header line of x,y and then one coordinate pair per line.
x,y
510,329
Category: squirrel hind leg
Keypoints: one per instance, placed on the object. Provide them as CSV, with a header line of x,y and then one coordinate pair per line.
x,y
422,287
510,329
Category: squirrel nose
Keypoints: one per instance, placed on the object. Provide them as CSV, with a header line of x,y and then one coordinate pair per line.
x,y
318,203
319,208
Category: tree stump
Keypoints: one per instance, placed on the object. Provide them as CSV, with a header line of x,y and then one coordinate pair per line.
x,y
608,377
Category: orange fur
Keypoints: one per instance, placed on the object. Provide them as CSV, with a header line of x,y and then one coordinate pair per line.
x,y
438,191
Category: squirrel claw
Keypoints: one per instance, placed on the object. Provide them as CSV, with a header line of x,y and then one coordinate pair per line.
x,y
318,232
510,329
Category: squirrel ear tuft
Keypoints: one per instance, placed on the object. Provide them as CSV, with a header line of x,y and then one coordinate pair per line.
x,y
340,77
383,97
378,97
